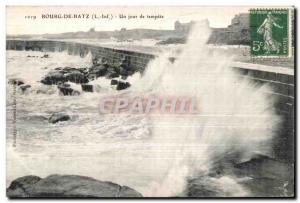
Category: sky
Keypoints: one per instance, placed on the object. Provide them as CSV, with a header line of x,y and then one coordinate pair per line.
x,y
19,18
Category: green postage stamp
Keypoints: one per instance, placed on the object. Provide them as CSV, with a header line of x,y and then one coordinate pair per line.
x,y
269,32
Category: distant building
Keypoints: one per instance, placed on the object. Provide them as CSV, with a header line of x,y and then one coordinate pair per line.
x,y
182,27
185,27
240,23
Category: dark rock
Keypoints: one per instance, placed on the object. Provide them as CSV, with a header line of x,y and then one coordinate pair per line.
x,y
123,72
122,85
269,177
16,81
76,77
111,75
66,90
83,70
60,84
70,186
87,88
57,117
53,77
45,56
65,74
261,176
24,87
114,82
98,71
261,166
202,187
124,77
18,187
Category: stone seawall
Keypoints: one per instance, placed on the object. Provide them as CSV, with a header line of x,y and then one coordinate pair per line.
x,y
280,79
138,61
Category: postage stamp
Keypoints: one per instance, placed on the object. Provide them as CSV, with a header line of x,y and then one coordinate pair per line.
x,y
269,32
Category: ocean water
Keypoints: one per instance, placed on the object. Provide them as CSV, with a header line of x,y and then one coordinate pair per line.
x,y
152,154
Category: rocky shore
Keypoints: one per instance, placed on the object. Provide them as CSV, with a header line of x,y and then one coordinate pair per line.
x,y
63,76
67,186
261,176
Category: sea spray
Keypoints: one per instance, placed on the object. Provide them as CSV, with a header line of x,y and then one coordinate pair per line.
x,y
236,118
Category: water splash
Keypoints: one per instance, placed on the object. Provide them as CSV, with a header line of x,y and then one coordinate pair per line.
x,y
236,118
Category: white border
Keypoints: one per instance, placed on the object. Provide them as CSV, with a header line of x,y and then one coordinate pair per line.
x,y
3,3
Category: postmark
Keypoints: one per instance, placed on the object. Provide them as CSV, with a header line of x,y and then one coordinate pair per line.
x,y
269,30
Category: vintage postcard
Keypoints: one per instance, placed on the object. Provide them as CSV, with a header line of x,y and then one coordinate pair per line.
x,y
150,102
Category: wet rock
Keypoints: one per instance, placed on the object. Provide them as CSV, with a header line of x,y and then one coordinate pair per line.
x,y
24,87
76,77
53,77
71,186
111,75
66,90
114,82
98,71
123,71
87,88
268,177
16,81
124,77
203,187
261,176
65,74
45,56
123,85
19,186
83,70
58,117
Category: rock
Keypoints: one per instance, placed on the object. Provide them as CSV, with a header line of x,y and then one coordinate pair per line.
x,y
65,74
202,187
268,177
123,71
60,84
53,77
260,176
124,77
15,81
70,186
122,85
114,82
112,75
19,186
66,90
76,77
87,88
45,56
24,87
83,70
98,70
261,166
58,117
